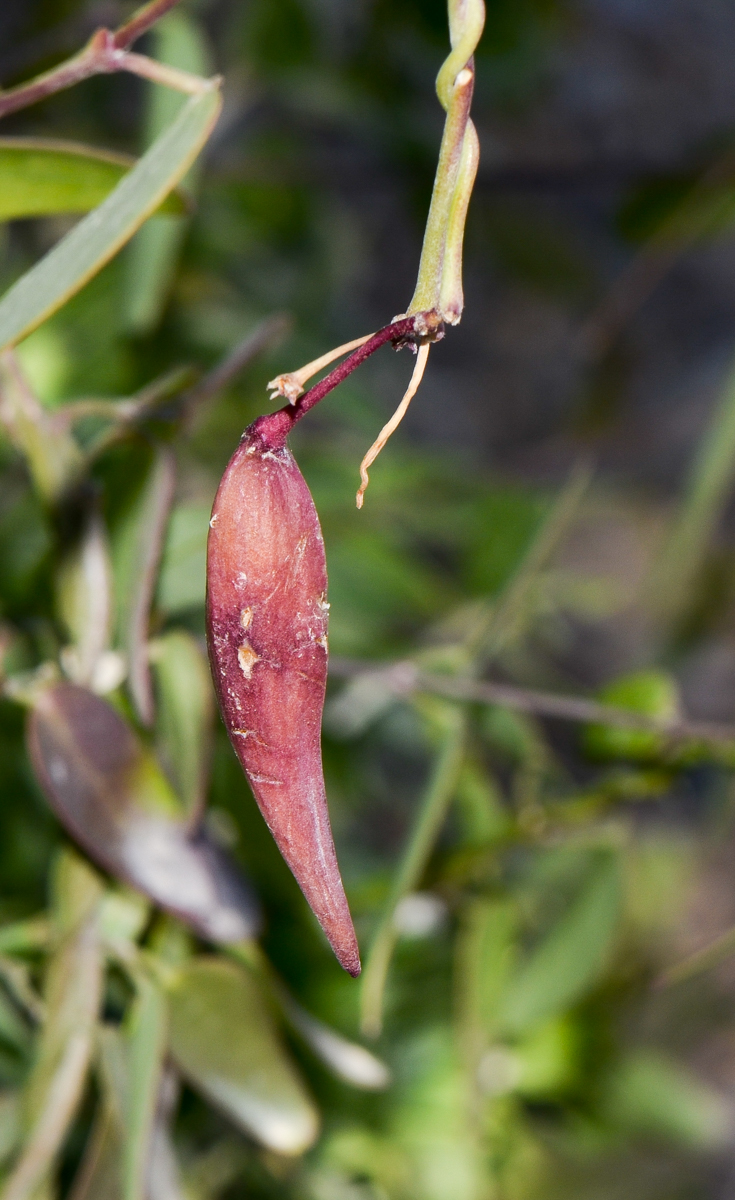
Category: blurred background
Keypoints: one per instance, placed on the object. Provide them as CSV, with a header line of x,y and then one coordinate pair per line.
x,y
562,482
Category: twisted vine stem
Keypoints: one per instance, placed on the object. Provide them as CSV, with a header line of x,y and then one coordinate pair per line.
x,y
439,284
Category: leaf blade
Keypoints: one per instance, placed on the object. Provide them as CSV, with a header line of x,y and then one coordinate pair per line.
x,y
42,177
113,799
571,958
98,237
223,1041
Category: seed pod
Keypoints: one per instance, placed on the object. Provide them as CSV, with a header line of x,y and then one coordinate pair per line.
x,y
267,631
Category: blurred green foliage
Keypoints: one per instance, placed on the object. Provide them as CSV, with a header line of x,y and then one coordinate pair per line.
x,y
522,882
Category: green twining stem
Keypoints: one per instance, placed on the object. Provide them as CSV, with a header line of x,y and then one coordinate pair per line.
x,y
466,22
451,297
439,283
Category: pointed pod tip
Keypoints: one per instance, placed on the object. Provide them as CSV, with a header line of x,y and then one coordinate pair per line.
x,y
346,951
352,965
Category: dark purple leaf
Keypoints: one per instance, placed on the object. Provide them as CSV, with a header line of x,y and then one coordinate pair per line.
x,y
112,797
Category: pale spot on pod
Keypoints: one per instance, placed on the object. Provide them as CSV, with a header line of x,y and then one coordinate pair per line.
x,y
247,658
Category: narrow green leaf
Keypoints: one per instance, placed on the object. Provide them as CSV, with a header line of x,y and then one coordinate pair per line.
x,y
569,961
72,994
99,235
490,953
185,714
223,1041
52,456
22,937
13,1029
671,210
177,41
431,815
146,1042
129,1152
40,176
10,1128
651,1095
98,1177
181,583
137,555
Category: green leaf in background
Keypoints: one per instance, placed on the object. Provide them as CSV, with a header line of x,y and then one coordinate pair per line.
x,y
13,1029
137,550
489,947
72,994
185,714
99,1176
39,176
9,1124
179,42
652,693
51,454
569,961
651,1095
99,235
146,1047
85,603
25,540
499,531
431,1125
347,1060
549,1058
182,579
223,1041
678,566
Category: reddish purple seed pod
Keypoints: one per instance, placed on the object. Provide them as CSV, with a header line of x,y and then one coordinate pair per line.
x,y
267,631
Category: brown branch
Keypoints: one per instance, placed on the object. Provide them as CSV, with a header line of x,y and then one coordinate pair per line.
x,y
105,53
141,21
404,678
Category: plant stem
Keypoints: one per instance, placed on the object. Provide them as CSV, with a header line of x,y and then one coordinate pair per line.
x,y
141,21
439,283
432,811
161,73
451,296
291,383
405,678
104,54
274,428
428,284
81,66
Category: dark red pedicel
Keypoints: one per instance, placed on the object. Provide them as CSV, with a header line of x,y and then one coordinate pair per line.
x,y
267,630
